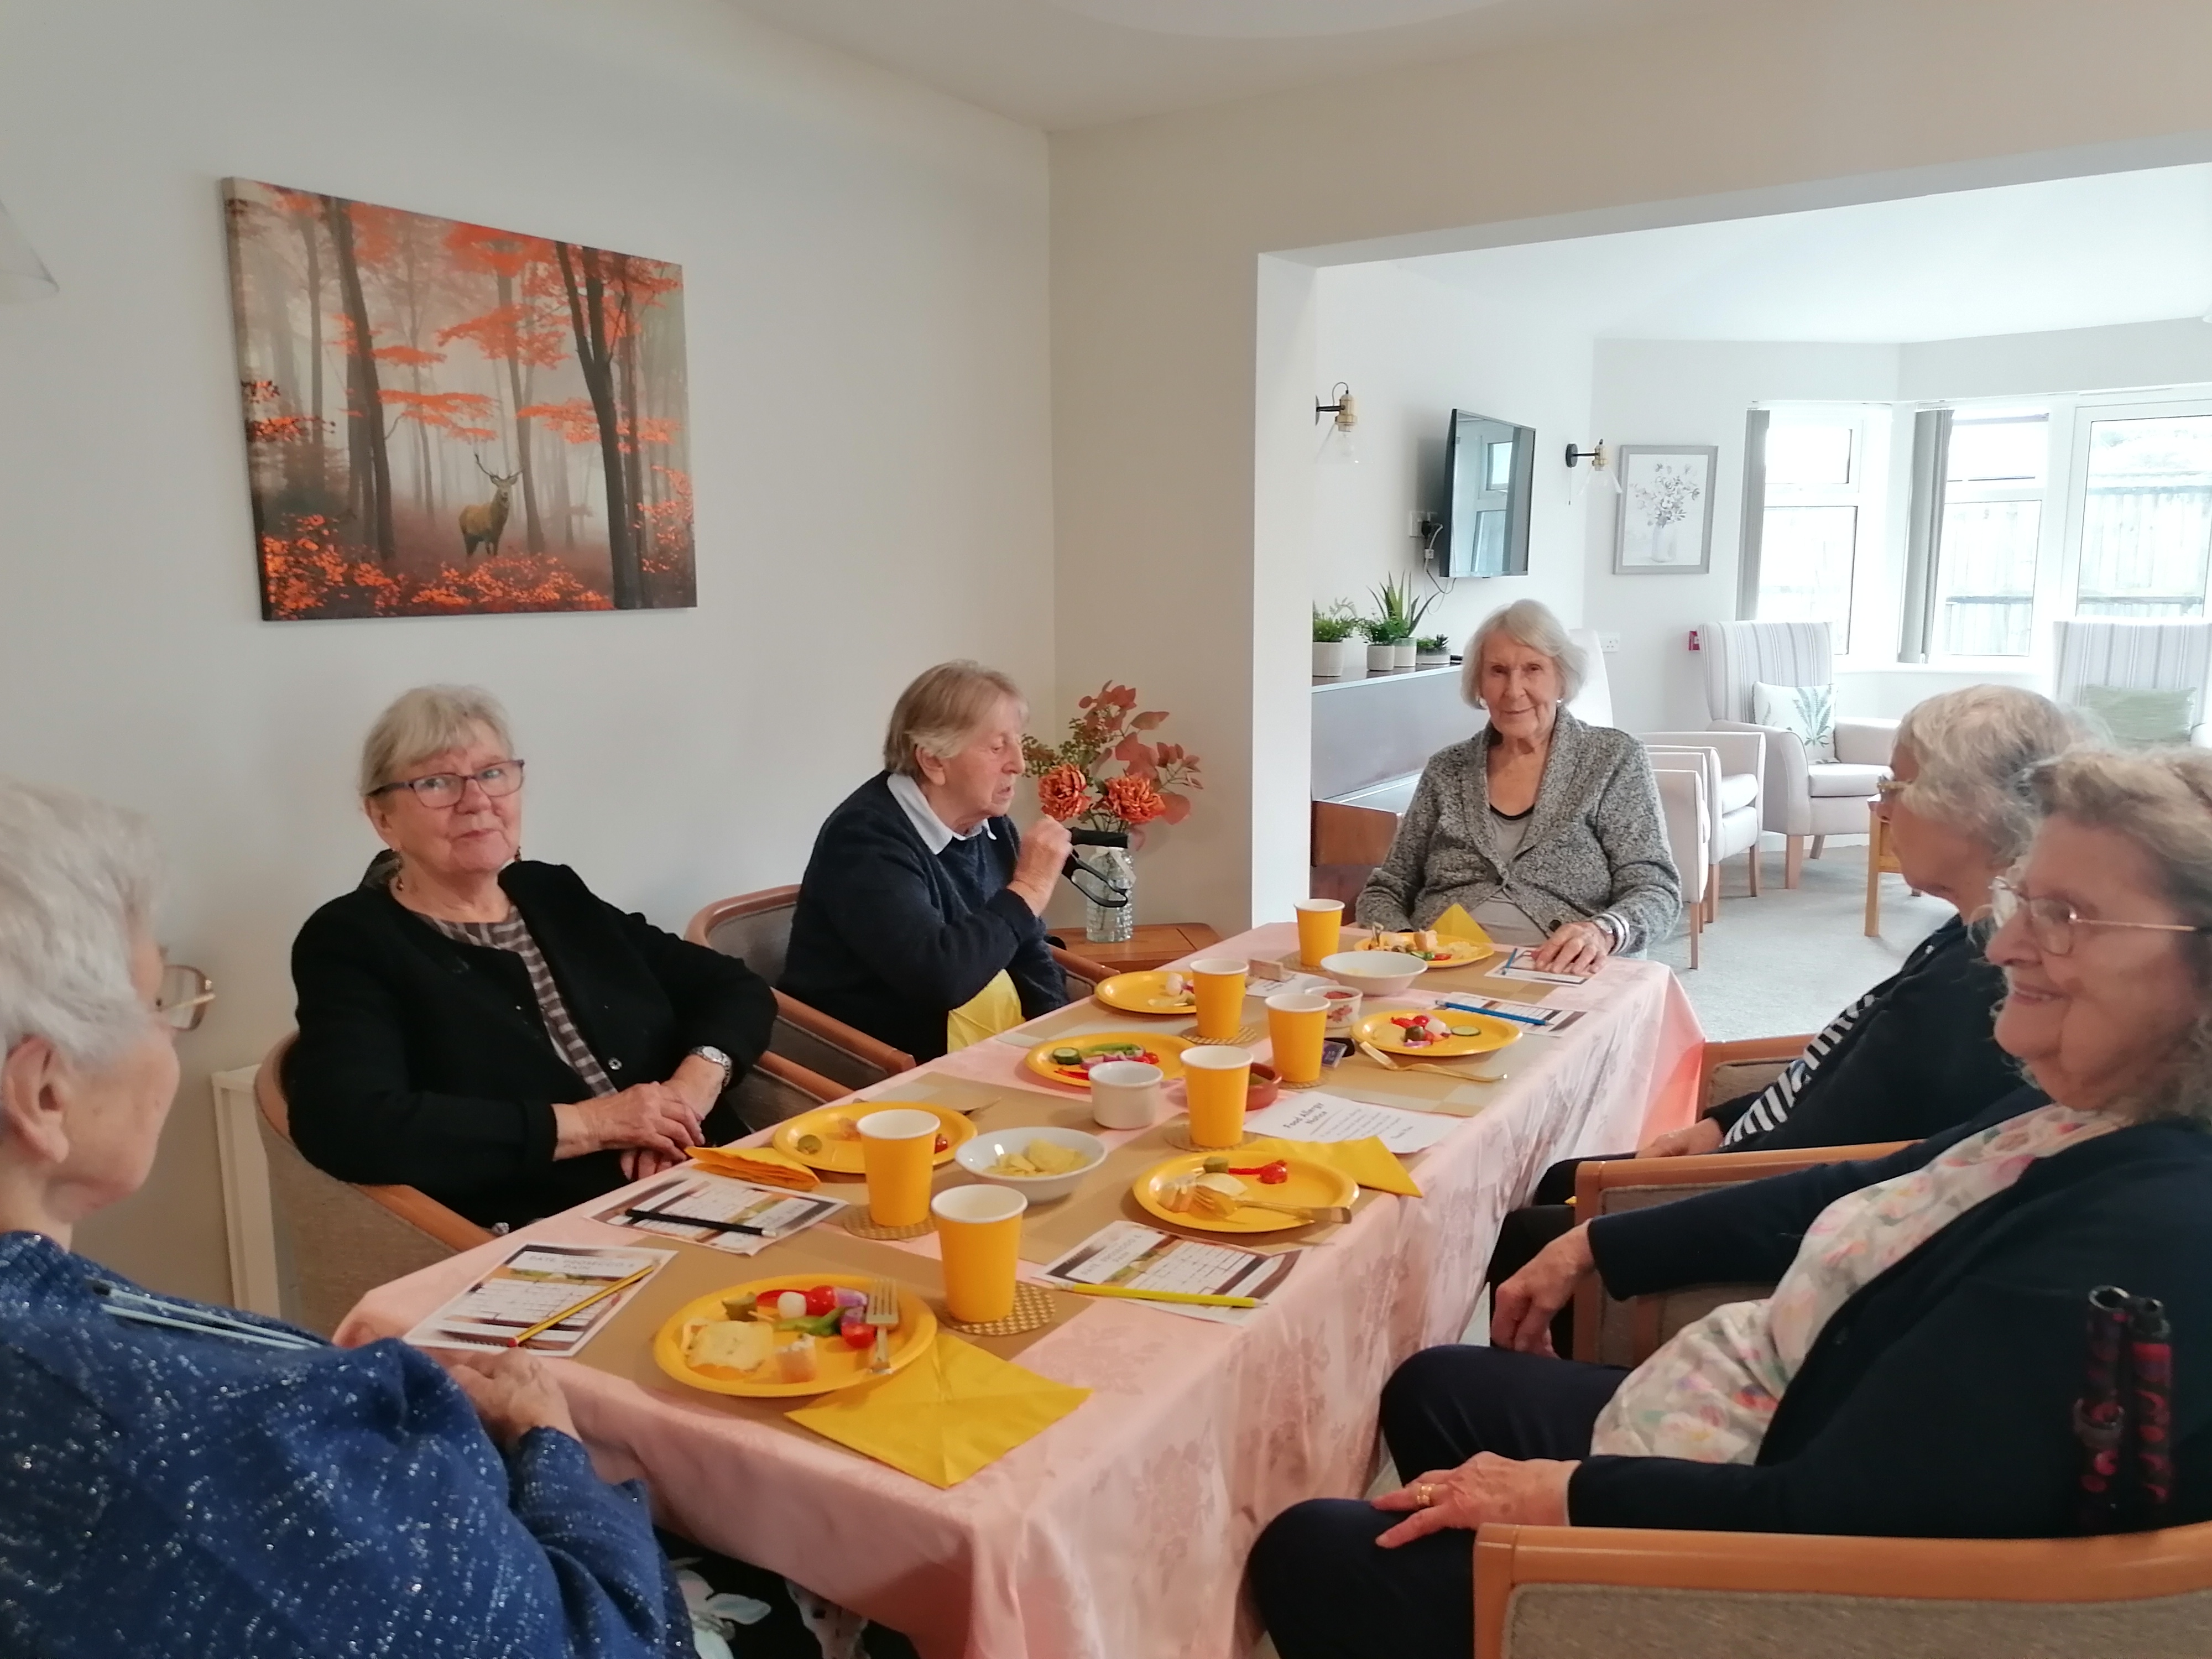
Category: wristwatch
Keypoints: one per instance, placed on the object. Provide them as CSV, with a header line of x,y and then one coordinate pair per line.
x,y
715,1056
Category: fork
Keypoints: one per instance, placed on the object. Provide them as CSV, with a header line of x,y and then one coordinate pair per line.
x,y
882,1314
1389,1063
1337,1214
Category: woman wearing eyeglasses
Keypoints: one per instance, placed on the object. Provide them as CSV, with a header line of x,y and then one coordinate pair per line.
x,y
1917,1369
483,1027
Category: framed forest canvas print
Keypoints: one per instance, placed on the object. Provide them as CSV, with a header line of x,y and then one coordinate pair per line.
x,y
442,418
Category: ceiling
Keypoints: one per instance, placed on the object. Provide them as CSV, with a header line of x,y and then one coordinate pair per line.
x,y
2122,247
1058,64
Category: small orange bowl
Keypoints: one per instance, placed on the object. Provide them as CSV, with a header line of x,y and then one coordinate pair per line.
x,y
1266,1083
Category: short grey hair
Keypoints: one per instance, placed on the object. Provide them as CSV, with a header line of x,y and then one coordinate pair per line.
x,y
426,721
2161,800
1534,626
77,893
1974,746
940,711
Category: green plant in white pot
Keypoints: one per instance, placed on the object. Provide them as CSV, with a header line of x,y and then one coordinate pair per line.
x,y
1399,615
1433,651
1381,637
1335,640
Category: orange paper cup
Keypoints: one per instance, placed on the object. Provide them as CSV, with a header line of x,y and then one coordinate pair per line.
x,y
1295,1025
1214,1080
1320,928
1220,981
978,1230
897,1149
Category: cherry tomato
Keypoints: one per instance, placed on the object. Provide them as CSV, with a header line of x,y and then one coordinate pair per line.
x,y
820,1300
942,1144
857,1333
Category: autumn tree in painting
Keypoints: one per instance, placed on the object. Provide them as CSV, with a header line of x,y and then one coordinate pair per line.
x,y
491,380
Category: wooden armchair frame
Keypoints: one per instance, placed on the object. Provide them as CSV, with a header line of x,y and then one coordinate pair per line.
x,y
871,1053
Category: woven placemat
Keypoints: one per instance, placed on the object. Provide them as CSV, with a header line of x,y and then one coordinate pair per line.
x,y
1176,1133
855,1221
1243,1038
1033,1307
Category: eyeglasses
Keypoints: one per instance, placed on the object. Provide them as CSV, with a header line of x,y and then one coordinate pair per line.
x,y
1890,788
442,790
182,1001
2052,922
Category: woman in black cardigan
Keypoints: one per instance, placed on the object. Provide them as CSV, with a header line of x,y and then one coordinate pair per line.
x,y
483,1028
921,900
1915,1373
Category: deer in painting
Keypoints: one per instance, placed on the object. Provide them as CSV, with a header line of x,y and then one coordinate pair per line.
x,y
483,522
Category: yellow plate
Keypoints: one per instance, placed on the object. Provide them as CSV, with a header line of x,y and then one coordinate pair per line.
x,y
1166,1052
1310,1183
1450,953
839,1366
842,1156
1490,1033
1141,993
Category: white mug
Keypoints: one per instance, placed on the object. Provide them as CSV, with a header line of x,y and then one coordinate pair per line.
x,y
1343,1010
1125,1094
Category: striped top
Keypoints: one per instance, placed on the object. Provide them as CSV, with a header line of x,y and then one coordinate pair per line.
x,y
1774,1104
513,934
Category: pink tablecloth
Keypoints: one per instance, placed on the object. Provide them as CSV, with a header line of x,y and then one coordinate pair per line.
x,y
1123,1529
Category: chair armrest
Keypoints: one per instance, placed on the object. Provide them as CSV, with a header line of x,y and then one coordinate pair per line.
x,y
813,1083
1596,1177
424,1212
838,1035
1757,1060
1785,790
1739,751
1091,973
1865,742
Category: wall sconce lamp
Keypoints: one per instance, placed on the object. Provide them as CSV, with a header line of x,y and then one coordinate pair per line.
x,y
1338,444
23,275
1600,465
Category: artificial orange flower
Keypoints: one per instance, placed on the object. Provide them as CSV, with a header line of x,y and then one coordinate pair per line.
x,y
1132,799
1063,793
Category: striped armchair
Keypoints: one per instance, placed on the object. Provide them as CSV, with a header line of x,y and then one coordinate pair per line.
x,y
2137,656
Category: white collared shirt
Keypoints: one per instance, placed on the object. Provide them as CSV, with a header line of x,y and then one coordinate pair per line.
x,y
936,835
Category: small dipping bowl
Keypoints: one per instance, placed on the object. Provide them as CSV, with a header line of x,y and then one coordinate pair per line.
x,y
1266,1083
1374,973
977,1156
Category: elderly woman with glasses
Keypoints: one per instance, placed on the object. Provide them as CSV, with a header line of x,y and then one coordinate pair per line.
x,y
1545,830
1916,1370
485,1028
176,1478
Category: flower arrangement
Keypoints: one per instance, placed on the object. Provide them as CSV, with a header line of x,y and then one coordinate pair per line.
x,y
1074,781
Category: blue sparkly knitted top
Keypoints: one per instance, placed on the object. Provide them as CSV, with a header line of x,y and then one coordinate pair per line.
x,y
168,1490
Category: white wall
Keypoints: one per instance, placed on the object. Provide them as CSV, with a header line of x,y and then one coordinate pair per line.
x,y
865,265
2171,353
1413,349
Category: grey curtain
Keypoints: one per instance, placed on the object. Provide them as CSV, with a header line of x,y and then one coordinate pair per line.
x,y
1931,461
1753,533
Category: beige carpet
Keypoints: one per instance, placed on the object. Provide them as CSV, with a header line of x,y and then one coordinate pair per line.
x,y
1786,960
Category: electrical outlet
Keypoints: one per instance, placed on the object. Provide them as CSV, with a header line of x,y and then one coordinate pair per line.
x,y
1608,642
1418,524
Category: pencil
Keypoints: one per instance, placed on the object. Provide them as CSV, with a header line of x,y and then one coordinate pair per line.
x,y
697,1221
1164,1295
599,1295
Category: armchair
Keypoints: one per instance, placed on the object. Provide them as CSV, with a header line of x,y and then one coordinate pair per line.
x,y
1735,785
2141,656
1681,775
1800,799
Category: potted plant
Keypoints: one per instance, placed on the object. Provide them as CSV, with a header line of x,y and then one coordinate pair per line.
x,y
1401,615
1382,643
1431,651
1333,644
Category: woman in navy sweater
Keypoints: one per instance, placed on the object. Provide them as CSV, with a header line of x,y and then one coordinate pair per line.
x,y
919,916
1916,1370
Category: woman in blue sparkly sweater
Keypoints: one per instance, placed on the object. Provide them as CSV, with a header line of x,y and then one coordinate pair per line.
x,y
178,1478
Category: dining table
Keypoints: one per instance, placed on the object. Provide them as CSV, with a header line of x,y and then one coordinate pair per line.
x,y
1122,1530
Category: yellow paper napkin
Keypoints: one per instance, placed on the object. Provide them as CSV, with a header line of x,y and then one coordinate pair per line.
x,y
764,1165
1368,1162
1455,923
952,1411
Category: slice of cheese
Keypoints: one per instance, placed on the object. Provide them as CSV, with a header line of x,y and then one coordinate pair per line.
x,y
737,1345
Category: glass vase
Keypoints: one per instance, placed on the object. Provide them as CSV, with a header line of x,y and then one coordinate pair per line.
x,y
1108,871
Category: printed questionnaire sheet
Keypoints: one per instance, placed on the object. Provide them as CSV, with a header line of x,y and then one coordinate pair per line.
x,y
1136,1257
720,1198
535,1283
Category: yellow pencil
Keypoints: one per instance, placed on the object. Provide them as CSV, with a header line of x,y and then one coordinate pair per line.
x,y
1164,1295
599,1295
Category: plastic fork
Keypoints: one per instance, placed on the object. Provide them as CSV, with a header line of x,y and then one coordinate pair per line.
x,y
1389,1063
882,1314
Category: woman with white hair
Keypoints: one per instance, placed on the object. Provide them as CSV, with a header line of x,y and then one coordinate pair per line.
x,y
920,916
1932,1360
1545,830
176,1478
484,1027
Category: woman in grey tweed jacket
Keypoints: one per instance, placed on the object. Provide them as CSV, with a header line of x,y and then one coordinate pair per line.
x,y
1547,831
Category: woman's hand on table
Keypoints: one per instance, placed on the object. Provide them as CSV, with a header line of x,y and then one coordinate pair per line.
x,y
1575,947
512,1392
1703,1136
652,1115
1529,1492
1522,1311
643,1163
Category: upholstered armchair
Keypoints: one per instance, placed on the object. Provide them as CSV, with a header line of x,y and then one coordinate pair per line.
x,y
2137,656
1803,799
1681,775
1734,792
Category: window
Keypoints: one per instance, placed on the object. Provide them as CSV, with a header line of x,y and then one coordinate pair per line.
x,y
1808,549
2146,517
1992,533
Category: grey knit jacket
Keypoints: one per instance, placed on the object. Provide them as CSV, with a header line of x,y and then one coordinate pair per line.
x,y
1595,843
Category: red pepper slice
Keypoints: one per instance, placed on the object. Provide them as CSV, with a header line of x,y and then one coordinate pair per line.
x,y
1270,1174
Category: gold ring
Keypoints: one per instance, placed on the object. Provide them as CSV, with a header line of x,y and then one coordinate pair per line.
x,y
1425,1495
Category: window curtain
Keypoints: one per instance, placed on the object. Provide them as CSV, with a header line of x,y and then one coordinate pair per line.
x,y
1753,533
1923,550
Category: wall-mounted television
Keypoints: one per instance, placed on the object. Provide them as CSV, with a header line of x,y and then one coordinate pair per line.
x,y
1490,472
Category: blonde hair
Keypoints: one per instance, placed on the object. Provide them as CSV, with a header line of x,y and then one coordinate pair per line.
x,y
426,721
1534,626
940,711
1975,746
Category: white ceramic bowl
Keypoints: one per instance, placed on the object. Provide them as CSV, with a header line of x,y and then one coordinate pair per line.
x,y
1374,973
977,1156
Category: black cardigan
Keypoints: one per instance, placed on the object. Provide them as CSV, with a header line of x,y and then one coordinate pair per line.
x,y
423,1061
1938,1401
890,937
1923,1057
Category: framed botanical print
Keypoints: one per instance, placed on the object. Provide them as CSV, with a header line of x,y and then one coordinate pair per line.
x,y
1666,522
